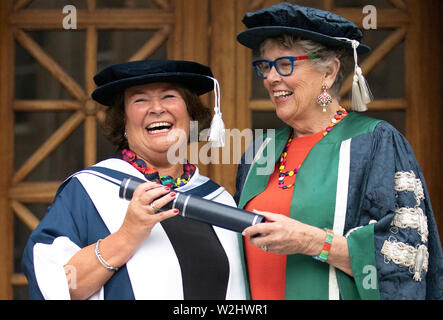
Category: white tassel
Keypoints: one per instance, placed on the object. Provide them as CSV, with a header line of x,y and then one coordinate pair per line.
x,y
217,129
357,102
366,94
361,94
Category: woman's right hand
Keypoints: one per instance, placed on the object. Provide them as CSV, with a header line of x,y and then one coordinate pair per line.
x,y
141,217
117,248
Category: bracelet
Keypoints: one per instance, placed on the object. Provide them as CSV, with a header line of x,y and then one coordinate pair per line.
x,y
100,258
323,256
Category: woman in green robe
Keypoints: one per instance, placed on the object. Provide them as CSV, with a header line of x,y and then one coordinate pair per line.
x,y
348,213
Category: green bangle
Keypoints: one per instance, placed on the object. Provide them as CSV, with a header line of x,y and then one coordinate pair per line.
x,y
323,256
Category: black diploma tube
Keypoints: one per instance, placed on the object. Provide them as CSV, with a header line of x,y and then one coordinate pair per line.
x,y
200,209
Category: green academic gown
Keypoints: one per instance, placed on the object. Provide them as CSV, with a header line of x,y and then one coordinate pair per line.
x,y
348,183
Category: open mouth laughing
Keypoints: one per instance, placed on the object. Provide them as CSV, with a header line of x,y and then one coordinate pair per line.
x,y
282,95
159,127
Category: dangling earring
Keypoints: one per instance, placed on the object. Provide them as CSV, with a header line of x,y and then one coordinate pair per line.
x,y
125,135
324,98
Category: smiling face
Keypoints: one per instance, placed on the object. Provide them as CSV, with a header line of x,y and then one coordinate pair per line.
x,y
155,114
294,96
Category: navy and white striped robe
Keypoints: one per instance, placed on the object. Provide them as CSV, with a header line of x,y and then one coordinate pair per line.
x,y
88,208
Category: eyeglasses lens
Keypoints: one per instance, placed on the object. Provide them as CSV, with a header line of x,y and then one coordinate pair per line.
x,y
263,68
283,65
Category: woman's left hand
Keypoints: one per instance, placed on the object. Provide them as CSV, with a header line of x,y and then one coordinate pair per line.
x,y
284,235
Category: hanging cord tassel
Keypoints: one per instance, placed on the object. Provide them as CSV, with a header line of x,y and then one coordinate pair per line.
x,y
361,94
217,129
366,94
357,103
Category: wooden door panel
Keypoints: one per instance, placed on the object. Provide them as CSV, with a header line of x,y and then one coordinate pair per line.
x,y
110,31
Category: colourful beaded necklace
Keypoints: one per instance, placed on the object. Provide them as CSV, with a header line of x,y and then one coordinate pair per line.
x,y
340,115
152,174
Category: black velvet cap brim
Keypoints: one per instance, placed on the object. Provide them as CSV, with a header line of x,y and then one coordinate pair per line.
x,y
253,37
199,84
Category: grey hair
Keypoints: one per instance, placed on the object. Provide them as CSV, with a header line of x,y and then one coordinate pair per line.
x,y
326,56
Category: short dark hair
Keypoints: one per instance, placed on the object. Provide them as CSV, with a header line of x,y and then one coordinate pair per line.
x,y
114,124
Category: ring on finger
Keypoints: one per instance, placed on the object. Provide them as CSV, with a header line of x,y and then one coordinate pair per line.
x,y
152,205
264,248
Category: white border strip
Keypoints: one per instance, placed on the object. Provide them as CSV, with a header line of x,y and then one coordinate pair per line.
x,y
257,156
341,202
